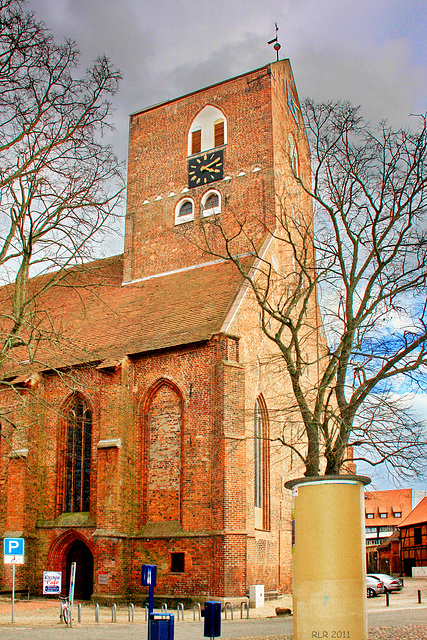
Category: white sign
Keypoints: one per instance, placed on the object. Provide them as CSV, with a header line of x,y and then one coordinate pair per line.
x,y
52,582
14,551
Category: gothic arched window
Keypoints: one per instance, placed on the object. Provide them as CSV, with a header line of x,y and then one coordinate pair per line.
x,y
293,155
163,455
78,455
261,466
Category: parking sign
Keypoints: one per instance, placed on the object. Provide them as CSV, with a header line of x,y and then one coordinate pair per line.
x,y
14,551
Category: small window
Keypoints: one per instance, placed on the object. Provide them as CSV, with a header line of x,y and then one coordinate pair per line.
x,y
177,562
370,516
219,133
417,535
211,203
397,514
196,141
293,156
383,514
184,211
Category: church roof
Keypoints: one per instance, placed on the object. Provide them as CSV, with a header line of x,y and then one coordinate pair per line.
x,y
90,316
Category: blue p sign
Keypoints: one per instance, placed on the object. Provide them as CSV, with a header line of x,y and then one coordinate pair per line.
x,y
14,550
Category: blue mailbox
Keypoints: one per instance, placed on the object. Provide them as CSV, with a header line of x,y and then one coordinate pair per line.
x,y
149,579
212,616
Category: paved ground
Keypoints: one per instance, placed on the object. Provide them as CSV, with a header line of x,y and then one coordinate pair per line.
x,y
43,616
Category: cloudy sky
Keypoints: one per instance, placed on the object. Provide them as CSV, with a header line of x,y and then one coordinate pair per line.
x,y
372,52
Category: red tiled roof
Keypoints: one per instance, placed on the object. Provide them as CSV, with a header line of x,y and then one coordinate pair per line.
x,y
418,515
390,501
96,318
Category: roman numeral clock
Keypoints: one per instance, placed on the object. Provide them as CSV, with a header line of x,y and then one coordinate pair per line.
x,y
206,168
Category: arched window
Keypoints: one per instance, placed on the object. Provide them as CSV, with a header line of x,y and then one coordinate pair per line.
x,y
208,130
261,466
184,211
211,203
78,455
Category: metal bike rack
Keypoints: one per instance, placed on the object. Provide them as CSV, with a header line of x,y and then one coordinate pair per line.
x,y
131,612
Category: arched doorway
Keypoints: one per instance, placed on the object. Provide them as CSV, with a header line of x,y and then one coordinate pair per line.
x,y
80,553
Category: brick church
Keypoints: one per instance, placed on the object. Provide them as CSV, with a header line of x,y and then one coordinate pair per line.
x,y
148,434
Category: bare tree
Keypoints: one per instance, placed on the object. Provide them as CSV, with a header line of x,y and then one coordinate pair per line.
x,y
362,262
60,183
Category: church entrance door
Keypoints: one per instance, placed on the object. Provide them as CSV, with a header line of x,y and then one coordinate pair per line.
x,y
80,553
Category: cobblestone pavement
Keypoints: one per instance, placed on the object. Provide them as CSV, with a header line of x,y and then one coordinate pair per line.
x,y
405,632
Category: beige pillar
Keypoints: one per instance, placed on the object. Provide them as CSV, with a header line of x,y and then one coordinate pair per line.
x,y
329,584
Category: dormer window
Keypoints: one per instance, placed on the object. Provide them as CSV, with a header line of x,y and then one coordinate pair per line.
x,y
207,131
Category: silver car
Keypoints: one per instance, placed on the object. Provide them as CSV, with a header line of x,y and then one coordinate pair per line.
x,y
374,586
390,583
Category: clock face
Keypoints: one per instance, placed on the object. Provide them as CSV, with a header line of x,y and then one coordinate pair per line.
x,y
205,168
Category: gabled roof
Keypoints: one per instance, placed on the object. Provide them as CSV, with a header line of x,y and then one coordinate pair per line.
x,y
95,318
386,543
418,515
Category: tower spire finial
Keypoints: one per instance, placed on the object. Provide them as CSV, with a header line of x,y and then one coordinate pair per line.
x,y
277,45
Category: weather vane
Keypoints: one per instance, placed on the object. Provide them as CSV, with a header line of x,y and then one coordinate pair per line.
x,y
277,45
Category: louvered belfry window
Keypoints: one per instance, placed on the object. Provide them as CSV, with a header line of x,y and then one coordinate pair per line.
x,y
78,456
196,141
219,133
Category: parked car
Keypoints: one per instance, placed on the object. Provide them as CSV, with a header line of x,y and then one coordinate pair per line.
x,y
373,586
390,583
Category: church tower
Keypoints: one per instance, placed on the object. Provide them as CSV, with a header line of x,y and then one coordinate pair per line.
x,y
221,151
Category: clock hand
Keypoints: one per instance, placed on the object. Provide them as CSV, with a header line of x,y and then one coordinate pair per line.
x,y
213,162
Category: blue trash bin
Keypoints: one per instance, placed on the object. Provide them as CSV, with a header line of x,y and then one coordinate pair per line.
x,y
212,616
161,626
